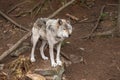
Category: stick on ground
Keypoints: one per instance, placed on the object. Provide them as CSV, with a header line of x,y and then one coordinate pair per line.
x,y
14,46
72,17
61,8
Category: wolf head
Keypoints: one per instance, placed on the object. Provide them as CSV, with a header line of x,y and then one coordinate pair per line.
x,y
64,28
59,27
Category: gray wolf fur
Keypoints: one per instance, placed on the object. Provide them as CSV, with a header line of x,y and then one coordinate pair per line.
x,y
51,32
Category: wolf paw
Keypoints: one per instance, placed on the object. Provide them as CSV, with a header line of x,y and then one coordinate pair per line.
x,y
44,58
54,64
32,60
59,62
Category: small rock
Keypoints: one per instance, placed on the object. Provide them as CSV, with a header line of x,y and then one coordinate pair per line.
x,y
5,32
83,79
1,66
76,59
35,76
68,42
83,49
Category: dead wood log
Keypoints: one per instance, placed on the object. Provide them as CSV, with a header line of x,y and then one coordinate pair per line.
x,y
97,23
14,7
12,21
7,52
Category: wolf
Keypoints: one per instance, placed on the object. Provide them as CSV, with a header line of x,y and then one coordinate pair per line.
x,y
51,32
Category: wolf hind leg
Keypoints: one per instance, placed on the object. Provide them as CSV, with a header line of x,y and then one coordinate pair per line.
x,y
34,39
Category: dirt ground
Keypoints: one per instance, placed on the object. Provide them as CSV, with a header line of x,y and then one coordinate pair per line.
x,y
100,55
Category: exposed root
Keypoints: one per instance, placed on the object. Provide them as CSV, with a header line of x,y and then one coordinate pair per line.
x,y
14,7
29,11
98,20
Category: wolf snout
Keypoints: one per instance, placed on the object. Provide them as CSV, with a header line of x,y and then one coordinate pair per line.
x,y
69,35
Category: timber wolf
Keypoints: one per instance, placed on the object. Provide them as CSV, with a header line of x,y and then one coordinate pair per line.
x,y
51,32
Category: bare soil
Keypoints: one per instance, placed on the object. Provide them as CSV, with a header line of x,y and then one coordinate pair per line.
x,y
101,55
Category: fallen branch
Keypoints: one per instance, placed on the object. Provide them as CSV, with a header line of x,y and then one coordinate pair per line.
x,y
4,54
85,20
61,8
39,9
12,21
72,17
7,52
97,23
14,7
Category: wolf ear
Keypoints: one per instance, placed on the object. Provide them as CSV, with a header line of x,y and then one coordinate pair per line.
x,y
68,21
60,22
43,21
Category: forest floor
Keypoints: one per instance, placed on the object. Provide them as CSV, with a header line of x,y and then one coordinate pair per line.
x,y
101,55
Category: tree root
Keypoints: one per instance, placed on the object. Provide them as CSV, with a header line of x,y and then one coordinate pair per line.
x,y
12,21
14,7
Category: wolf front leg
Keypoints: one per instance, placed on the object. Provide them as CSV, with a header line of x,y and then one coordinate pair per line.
x,y
53,63
42,50
59,62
